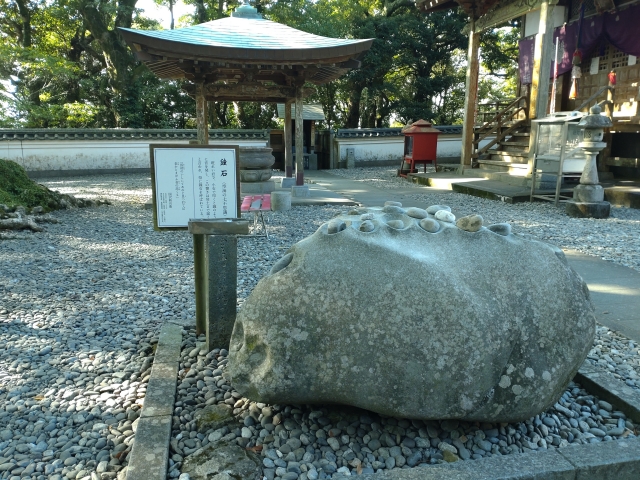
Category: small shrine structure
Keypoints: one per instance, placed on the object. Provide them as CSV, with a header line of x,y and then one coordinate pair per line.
x,y
572,55
247,58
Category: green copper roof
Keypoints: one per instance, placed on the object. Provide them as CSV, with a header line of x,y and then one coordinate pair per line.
x,y
247,51
255,34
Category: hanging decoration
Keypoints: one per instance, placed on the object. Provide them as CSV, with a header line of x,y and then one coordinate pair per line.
x,y
612,77
576,73
576,60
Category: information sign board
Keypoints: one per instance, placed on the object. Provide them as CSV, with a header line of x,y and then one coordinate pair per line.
x,y
193,182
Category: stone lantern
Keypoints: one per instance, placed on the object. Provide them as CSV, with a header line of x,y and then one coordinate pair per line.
x,y
588,196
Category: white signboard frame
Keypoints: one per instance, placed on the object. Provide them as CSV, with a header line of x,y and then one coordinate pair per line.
x,y
193,182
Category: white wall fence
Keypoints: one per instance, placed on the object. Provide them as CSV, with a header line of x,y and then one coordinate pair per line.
x,y
53,152
385,146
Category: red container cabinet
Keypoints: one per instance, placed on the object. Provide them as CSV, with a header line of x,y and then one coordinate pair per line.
x,y
420,144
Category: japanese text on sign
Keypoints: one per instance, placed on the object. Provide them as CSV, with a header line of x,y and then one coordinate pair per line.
x,y
194,183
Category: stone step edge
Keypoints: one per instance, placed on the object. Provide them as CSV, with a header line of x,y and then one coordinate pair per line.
x,y
149,457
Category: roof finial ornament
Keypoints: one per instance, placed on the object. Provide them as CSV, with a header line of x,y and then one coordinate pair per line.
x,y
246,11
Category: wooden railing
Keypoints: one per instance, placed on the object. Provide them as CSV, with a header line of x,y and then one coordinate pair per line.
x,y
607,103
510,114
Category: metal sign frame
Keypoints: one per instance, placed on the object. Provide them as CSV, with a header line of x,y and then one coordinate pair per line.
x,y
189,151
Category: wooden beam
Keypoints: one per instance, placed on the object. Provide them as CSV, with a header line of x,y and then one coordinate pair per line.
x,y
299,137
201,114
542,63
470,96
503,12
288,153
247,92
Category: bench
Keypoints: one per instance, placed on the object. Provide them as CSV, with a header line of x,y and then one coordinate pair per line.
x,y
257,204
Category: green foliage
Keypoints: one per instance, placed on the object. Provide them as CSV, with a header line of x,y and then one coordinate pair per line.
x,y
499,52
16,188
63,64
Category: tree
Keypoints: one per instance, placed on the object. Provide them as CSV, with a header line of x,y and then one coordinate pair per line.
x,y
64,64
168,4
499,48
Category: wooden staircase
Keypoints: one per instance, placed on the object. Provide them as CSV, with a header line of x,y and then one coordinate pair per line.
x,y
501,141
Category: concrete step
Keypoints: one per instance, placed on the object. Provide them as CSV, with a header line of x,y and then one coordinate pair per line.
x,y
509,157
498,176
624,194
512,148
515,143
476,185
516,168
512,189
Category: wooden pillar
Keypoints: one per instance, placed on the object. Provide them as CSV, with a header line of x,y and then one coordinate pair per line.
x,y
470,95
299,138
312,136
288,154
542,56
608,137
608,107
202,116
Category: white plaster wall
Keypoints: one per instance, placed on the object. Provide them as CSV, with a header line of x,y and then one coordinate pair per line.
x,y
43,155
371,149
392,148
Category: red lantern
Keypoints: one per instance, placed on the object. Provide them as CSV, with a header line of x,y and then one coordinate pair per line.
x,y
577,58
612,78
420,144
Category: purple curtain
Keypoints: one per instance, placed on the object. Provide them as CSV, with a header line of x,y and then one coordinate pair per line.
x,y
621,29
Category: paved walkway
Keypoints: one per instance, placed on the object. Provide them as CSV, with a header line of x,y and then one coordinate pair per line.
x,y
615,290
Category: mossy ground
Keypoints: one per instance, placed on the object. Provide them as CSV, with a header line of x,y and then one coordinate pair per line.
x,y
16,188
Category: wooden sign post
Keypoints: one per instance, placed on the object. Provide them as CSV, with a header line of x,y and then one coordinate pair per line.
x,y
197,187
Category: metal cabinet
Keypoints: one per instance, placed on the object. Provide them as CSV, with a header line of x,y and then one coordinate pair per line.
x,y
556,152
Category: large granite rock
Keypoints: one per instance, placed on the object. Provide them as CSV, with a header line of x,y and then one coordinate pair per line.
x,y
410,314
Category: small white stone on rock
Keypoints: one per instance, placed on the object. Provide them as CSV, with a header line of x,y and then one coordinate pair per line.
x,y
367,226
397,224
419,213
470,223
445,216
433,209
336,226
430,225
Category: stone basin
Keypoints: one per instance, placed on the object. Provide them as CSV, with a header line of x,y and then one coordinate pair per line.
x,y
256,157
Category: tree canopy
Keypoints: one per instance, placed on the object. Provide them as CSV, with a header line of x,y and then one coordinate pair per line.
x,y
64,64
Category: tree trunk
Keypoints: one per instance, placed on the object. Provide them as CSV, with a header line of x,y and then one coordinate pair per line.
x,y
201,11
25,26
353,112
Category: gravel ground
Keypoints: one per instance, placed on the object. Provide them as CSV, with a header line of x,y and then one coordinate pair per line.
x,y
81,305
300,442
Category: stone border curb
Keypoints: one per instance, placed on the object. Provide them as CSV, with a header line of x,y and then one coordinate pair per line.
x,y
601,384
150,453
